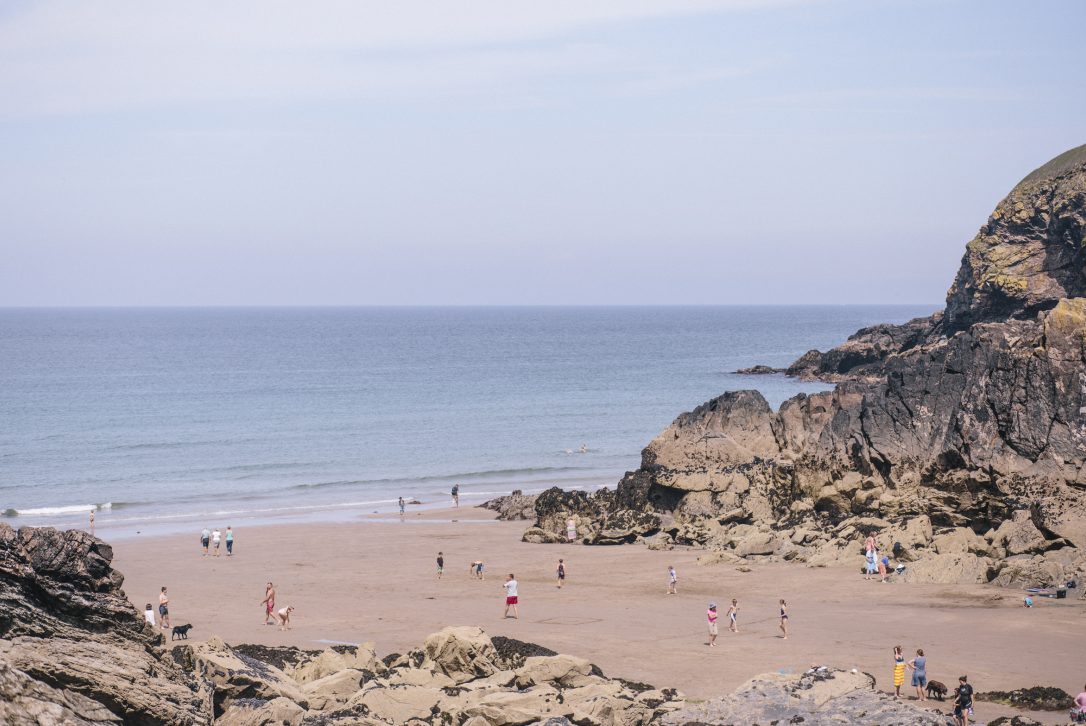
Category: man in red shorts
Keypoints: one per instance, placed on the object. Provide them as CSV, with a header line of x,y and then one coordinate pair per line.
x,y
511,596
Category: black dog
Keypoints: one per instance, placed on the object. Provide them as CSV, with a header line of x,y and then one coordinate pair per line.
x,y
180,632
936,690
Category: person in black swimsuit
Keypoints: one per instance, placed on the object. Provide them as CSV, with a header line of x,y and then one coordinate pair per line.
x,y
963,702
784,619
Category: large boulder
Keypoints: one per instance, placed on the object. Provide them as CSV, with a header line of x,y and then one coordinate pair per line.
x,y
461,653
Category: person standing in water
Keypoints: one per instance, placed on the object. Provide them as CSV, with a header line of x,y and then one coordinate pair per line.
x,y
456,494
511,599
784,619
401,506
269,604
672,581
733,614
561,572
164,608
712,616
440,565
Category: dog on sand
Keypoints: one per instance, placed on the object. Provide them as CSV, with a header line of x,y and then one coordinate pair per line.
x,y
180,632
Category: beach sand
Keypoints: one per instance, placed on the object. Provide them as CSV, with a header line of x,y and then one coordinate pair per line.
x,y
374,580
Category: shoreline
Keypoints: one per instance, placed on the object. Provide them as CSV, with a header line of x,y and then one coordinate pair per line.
x,y
377,583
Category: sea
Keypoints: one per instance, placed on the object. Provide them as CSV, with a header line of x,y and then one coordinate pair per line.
x,y
164,420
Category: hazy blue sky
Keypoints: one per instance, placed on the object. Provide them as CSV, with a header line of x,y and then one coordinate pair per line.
x,y
559,151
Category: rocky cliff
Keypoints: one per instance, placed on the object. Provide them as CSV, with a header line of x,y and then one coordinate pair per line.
x,y
960,437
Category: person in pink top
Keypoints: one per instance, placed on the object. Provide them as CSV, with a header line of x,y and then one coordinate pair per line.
x,y
1078,713
712,616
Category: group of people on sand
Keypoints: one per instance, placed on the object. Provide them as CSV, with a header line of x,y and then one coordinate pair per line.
x,y
733,620
963,694
163,610
874,565
214,538
280,617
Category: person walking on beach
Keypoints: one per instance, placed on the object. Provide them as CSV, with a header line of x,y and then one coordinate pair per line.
x,y
784,619
205,538
511,596
269,604
712,616
440,565
92,522
477,567
216,540
963,701
672,581
456,494
571,529
284,617
733,614
899,671
229,542
401,506
919,667
164,608
561,572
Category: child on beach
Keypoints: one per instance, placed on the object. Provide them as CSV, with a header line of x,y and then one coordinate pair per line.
x,y
440,565
149,615
511,596
164,608
672,581
784,620
733,613
216,540
712,616
269,604
561,573
229,542
284,617
477,568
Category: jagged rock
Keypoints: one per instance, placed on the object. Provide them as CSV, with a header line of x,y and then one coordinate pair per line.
x,y
1014,721
318,664
334,689
1019,535
563,670
1024,571
65,624
461,653
259,712
957,568
516,505
1037,698
819,697
26,702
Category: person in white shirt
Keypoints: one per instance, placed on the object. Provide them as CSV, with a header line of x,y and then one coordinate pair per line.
x,y
216,539
149,615
511,596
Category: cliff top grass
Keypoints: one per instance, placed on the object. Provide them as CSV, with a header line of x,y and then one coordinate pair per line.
x,y
1066,160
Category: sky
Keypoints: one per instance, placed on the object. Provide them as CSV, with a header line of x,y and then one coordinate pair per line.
x,y
494,152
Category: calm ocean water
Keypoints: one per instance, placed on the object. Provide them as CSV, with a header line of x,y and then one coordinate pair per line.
x,y
172,418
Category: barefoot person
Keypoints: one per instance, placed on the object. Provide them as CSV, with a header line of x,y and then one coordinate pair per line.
x,y
672,581
899,671
919,667
571,530
149,615
92,521
511,596
440,565
712,616
284,617
733,615
205,539
229,542
784,619
269,604
164,608
477,568
456,494
1078,713
216,540
402,505
561,572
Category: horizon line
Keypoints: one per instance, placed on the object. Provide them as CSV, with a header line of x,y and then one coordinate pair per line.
x,y
431,306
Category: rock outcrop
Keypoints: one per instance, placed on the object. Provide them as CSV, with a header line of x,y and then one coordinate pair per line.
x,y
516,505
74,651
971,422
818,697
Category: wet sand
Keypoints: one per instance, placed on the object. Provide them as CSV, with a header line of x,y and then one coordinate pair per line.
x,y
374,580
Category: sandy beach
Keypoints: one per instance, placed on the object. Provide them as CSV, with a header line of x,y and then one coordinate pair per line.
x,y
375,580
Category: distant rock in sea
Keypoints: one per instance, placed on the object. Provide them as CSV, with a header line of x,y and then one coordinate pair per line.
x,y
960,439
759,370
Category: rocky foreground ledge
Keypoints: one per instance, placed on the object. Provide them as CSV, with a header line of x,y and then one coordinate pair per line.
x,y
960,438
74,651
